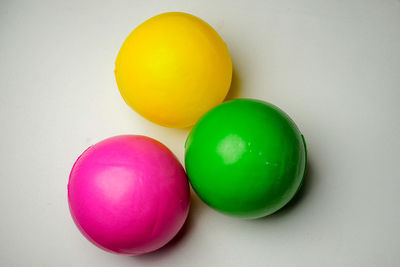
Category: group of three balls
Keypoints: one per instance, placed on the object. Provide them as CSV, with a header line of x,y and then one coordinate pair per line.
x,y
130,195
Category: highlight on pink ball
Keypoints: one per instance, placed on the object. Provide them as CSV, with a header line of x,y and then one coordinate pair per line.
x,y
128,194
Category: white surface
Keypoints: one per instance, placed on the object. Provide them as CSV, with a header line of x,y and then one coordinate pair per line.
x,y
333,66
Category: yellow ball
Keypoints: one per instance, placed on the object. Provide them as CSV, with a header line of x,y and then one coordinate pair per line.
x,y
173,68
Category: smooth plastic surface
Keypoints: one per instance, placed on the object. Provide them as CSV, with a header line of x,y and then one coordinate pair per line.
x,y
173,68
245,158
128,194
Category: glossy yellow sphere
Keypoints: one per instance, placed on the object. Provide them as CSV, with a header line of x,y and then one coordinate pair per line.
x,y
173,68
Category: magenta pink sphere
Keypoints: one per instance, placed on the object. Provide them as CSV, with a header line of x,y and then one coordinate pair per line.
x,y
128,194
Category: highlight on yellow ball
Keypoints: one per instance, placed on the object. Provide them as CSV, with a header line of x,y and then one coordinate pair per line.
x,y
173,68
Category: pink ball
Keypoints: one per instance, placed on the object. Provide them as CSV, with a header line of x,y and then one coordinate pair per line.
x,y
128,194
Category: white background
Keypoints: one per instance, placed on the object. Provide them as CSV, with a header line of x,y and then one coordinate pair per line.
x,y
333,66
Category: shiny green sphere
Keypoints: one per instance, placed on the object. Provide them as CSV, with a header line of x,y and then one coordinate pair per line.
x,y
245,158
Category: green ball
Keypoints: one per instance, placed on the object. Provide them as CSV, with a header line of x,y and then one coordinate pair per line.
x,y
245,158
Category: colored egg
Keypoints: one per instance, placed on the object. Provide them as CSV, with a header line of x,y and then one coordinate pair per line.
x,y
128,194
245,158
173,68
